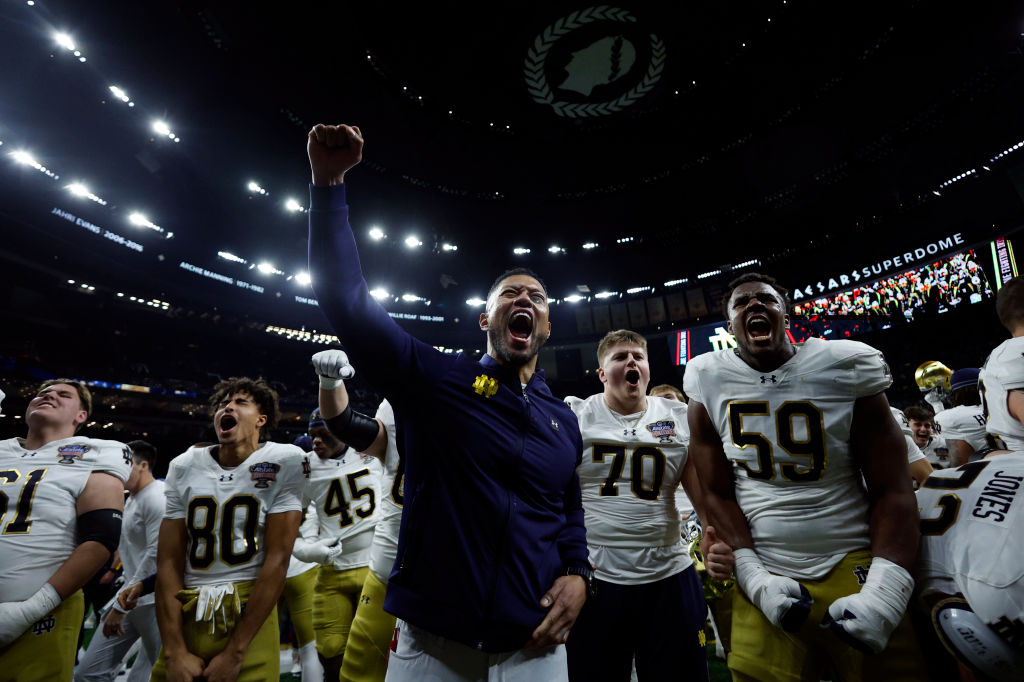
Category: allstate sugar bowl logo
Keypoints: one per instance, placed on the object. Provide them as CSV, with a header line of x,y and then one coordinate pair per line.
x,y
593,62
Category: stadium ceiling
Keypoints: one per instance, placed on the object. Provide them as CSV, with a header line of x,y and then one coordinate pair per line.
x,y
671,138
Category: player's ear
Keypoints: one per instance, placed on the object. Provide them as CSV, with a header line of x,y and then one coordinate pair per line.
x,y
483,321
785,321
601,376
261,421
80,418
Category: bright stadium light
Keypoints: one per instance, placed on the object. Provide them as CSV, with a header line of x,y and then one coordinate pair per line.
x,y
303,278
520,251
141,220
605,294
449,247
254,187
268,269
475,301
80,190
409,298
380,293
590,245
227,255
293,205
121,94
161,128
554,248
412,241
376,233
25,158
573,298
65,41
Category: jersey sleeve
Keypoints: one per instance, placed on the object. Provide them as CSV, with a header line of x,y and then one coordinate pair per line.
x,y
291,481
867,370
691,380
1008,369
112,457
174,507
914,453
901,420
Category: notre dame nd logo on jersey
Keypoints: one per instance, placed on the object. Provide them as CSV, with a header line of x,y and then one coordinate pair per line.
x,y
264,472
664,430
67,454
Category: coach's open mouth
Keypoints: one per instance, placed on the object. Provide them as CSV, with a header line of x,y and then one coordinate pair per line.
x,y
520,326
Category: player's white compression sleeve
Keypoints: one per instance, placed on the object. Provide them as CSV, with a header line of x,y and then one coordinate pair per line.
x,y
16,616
866,619
784,602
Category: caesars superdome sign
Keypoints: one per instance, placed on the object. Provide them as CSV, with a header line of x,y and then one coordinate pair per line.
x,y
593,62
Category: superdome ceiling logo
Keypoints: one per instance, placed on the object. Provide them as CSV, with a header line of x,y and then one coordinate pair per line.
x,y
593,62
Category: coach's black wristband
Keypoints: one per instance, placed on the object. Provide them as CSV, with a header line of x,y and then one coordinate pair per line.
x,y
354,429
102,526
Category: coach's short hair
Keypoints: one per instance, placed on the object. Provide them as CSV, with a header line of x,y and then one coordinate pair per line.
x,y
511,273
615,337
782,291
261,393
84,395
1010,303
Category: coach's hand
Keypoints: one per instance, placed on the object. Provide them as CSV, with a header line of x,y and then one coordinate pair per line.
x,y
129,596
866,619
565,599
718,557
332,366
332,151
784,602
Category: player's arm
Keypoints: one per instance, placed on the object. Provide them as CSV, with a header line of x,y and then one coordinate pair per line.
x,y
960,452
279,536
716,486
718,557
170,579
866,619
1015,403
785,602
365,434
99,509
921,470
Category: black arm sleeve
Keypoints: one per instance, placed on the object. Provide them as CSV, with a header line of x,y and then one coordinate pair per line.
x,y
102,526
354,429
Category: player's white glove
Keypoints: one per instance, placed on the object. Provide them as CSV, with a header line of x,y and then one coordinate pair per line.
x,y
316,551
866,619
17,616
784,602
332,367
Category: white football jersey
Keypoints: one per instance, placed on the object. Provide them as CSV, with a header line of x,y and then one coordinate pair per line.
x,y
914,453
787,433
346,494
631,467
963,422
225,508
1003,372
936,452
385,538
972,537
38,522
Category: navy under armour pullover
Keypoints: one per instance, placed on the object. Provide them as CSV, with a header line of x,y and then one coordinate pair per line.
x,y
492,501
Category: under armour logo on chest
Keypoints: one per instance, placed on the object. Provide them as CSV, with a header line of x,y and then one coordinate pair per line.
x,y
769,379
227,477
628,432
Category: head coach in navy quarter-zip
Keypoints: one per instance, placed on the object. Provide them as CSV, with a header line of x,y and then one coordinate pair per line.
x,y
492,562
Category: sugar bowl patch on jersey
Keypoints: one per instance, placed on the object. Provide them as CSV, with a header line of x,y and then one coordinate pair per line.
x,y
106,456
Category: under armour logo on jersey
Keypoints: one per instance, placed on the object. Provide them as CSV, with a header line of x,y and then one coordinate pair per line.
x,y
363,599
227,477
626,432
769,379
44,625
861,572
485,385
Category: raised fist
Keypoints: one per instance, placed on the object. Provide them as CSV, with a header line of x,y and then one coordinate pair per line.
x,y
332,151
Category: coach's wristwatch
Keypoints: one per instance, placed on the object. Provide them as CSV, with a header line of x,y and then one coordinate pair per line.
x,y
586,573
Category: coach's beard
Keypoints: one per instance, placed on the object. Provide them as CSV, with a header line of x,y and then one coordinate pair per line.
x,y
515,358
